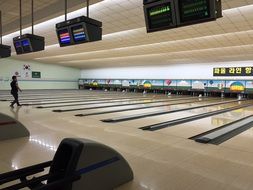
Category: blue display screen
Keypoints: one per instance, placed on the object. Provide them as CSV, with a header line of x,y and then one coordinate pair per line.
x,y
64,36
25,42
17,44
78,33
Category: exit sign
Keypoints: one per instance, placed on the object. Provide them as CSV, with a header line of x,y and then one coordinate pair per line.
x,y
36,74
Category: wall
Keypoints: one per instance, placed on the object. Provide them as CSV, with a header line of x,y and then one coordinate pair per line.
x,y
52,76
179,71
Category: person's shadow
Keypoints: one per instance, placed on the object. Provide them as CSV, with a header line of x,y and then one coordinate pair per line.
x,y
15,112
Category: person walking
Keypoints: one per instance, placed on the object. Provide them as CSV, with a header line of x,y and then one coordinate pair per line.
x,y
14,91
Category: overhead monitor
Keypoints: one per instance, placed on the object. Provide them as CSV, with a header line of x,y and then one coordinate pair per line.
x,y
166,14
78,30
28,43
160,15
5,51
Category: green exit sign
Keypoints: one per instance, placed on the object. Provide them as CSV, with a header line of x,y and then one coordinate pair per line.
x,y
36,74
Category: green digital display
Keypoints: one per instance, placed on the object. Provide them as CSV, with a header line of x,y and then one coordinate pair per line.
x,y
160,15
194,11
167,14
159,10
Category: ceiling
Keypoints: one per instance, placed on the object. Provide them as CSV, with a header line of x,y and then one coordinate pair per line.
x,y
43,10
126,43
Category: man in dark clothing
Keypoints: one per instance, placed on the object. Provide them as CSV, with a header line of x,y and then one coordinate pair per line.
x,y
14,91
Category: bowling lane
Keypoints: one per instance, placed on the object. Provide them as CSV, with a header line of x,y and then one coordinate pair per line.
x,y
135,109
164,107
109,97
181,107
193,128
111,104
145,100
100,102
63,92
167,117
55,96
62,101
244,140
48,92
154,102
80,92
77,99
40,94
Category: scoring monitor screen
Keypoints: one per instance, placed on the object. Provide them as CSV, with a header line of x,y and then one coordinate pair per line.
x,y
64,36
17,44
194,10
160,15
25,43
78,33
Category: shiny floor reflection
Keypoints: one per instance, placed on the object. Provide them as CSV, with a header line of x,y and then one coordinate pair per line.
x,y
161,160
